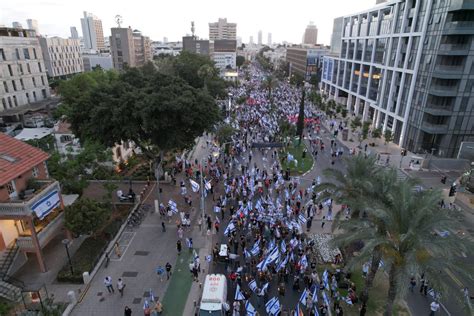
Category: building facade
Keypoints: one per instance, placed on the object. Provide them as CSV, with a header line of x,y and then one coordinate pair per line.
x,y
191,44
225,54
103,61
310,36
336,35
62,57
129,48
260,38
143,51
408,66
33,25
306,62
74,33
92,32
22,70
222,30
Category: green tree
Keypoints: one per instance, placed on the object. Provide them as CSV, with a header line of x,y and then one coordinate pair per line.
x,y
224,133
300,122
344,113
239,61
377,133
365,131
388,136
296,79
110,188
355,123
269,84
85,216
314,80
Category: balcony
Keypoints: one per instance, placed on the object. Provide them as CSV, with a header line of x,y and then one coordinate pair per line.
x,y
21,208
443,91
454,49
438,111
459,27
25,243
434,128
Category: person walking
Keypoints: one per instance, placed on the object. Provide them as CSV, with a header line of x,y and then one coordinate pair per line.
x,y
118,253
323,222
120,286
108,284
168,270
127,311
434,307
163,227
178,246
412,284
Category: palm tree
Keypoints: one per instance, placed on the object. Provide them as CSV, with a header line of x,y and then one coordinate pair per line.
x,y
206,72
269,84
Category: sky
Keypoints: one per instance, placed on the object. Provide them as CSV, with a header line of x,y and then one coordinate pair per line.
x,y
286,20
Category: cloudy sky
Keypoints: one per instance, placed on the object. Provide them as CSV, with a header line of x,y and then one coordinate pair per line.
x,y
286,20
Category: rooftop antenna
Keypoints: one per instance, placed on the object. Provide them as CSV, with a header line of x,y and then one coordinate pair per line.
x,y
118,20
192,28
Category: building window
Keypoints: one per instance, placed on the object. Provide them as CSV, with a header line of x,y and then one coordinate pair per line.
x,y
11,188
2,55
34,81
10,70
20,68
28,97
35,172
26,53
4,103
34,53
14,85
10,102
5,86
43,92
42,80
34,96
15,101
28,68
22,84
17,54
39,67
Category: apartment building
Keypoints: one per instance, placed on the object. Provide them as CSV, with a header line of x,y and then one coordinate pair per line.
x,y
194,45
62,57
22,69
31,206
222,30
408,66
306,62
224,54
129,48
310,36
143,51
92,32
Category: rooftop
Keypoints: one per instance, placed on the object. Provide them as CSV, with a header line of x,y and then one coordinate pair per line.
x,y
17,157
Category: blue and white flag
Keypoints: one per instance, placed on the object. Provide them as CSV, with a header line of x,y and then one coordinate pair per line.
x,y
282,264
293,243
302,219
298,311
46,205
208,185
348,300
255,249
194,185
230,228
261,265
217,209
326,280
146,305
173,206
253,285
314,290
304,297
273,306
247,253
152,296
283,246
325,297
250,309
303,262
273,256
208,258
265,287
239,296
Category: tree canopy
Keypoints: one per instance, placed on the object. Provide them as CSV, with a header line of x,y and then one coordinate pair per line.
x,y
85,216
155,110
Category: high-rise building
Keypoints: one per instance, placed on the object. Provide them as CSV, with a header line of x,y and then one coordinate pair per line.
x,y
407,67
62,57
92,32
251,40
310,36
269,39
222,30
336,35
17,25
33,25
306,62
260,34
165,40
129,48
24,78
191,44
74,34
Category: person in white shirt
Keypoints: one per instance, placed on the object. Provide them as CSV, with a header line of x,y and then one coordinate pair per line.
x,y
434,307
120,286
108,284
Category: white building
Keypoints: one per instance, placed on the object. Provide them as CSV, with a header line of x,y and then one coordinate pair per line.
x,y
22,71
222,30
101,60
17,25
74,33
33,25
92,32
260,40
269,39
62,56
225,60
407,67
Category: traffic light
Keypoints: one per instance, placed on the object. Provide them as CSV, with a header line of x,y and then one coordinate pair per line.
x,y
452,190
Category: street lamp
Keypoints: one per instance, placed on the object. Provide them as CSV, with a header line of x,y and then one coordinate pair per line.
x,y
66,245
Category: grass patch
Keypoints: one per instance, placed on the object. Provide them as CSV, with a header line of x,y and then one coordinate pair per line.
x,y
304,164
174,300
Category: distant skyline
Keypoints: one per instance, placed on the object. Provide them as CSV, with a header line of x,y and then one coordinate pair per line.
x,y
173,19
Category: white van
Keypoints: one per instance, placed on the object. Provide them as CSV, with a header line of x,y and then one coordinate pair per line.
x,y
214,295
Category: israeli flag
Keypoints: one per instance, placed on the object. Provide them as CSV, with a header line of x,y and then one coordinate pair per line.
x,y
348,300
194,185
217,209
290,157
304,297
208,258
247,253
325,298
273,306
283,246
174,207
302,219
208,185
146,305
325,279
314,290
265,287
261,265
256,248
230,228
298,311
152,296
293,243
274,254
253,285
304,262
282,264
250,309
239,296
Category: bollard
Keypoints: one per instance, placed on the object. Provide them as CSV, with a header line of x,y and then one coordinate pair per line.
x,y
86,277
200,285
195,303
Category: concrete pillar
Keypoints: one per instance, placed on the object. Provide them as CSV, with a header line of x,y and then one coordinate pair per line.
x,y
375,122
365,113
349,103
357,105
37,246
379,118
385,124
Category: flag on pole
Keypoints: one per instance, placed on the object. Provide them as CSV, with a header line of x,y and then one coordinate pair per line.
x,y
247,253
298,311
303,262
173,206
303,297
273,306
152,296
256,248
282,264
194,185
283,246
230,228
302,219
146,305
250,309
265,287
239,296
325,297
208,185
314,290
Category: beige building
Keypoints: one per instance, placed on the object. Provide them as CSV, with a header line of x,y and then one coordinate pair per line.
x,y
22,70
129,48
62,57
310,34
222,30
92,32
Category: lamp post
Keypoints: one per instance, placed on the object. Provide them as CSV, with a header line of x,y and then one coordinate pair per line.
x,y
66,245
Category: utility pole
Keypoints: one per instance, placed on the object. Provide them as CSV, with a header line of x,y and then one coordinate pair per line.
x,y
157,176
202,189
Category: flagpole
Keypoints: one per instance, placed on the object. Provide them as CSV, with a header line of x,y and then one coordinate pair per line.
x,y
202,191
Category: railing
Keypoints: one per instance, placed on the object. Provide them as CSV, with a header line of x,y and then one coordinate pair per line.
x,y
453,47
8,258
23,207
434,128
459,25
26,242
